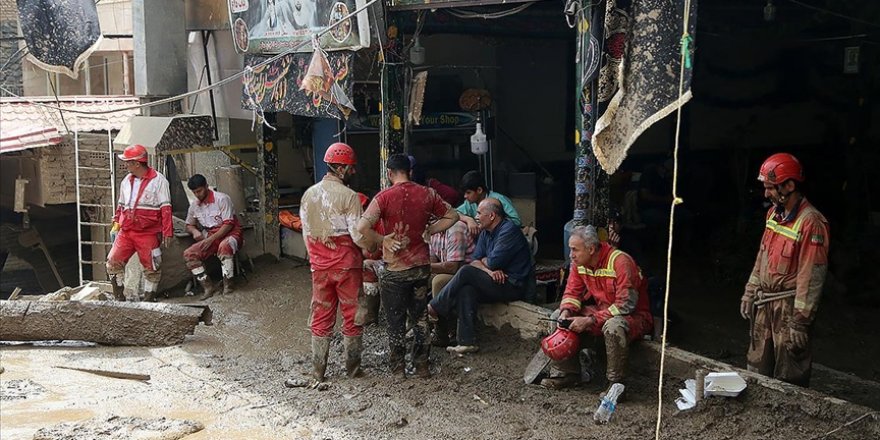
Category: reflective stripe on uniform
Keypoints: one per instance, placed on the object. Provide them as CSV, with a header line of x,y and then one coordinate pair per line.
x,y
571,301
608,271
614,310
794,232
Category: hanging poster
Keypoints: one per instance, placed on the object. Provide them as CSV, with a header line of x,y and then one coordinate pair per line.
x,y
278,86
275,26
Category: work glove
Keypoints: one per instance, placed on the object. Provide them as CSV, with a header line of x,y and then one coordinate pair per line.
x,y
745,308
797,339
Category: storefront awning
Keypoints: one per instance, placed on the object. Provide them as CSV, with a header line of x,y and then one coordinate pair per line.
x,y
165,133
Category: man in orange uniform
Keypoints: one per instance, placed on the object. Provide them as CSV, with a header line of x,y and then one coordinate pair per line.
x,y
621,313
330,211
782,294
142,217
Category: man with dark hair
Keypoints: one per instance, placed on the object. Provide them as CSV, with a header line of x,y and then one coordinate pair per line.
x,y
474,188
499,272
783,291
212,222
329,212
405,210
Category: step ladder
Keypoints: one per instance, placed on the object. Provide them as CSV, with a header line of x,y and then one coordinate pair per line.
x,y
95,200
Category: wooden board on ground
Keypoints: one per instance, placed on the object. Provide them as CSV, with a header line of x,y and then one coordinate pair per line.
x,y
103,322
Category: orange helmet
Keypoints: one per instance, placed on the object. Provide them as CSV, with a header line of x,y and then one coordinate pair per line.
x,y
340,153
561,345
134,152
780,167
364,199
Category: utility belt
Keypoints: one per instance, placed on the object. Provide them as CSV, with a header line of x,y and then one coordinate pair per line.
x,y
762,297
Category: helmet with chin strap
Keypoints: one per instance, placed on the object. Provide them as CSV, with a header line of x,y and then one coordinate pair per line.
x,y
779,168
561,345
340,153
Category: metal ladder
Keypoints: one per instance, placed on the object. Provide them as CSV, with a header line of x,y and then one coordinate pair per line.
x,y
95,200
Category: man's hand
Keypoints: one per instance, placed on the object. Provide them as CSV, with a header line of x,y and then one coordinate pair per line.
x,y
613,234
166,242
472,225
745,308
498,276
798,339
580,324
205,244
197,235
391,244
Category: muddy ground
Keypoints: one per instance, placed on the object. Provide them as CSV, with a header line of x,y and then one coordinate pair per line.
x,y
229,377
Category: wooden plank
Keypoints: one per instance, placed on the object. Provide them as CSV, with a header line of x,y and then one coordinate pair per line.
x,y
103,322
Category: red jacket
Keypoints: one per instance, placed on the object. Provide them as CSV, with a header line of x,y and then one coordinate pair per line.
x,y
616,284
793,256
148,209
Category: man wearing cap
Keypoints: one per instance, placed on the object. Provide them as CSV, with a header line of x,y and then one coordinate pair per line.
x,y
142,218
212,223
782,294
330,211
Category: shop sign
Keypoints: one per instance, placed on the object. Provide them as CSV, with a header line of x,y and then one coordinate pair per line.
x,y
275,26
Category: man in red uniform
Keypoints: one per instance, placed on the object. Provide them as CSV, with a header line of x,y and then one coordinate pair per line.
x,y
782,294
621,313
143,215
212,223
329,212
405,210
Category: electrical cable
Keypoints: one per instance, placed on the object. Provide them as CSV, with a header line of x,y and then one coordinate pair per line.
x,y
216,85
463,13
836,14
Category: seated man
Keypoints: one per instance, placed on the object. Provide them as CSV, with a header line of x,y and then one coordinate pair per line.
x,y
621,313
474,192
449,251
212,223
499,273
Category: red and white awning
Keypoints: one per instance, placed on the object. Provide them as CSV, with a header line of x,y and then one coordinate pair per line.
x,y
23,138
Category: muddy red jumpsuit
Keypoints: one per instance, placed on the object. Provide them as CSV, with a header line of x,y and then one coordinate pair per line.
x,y
785,287
210,215
144,216
621,309
330,211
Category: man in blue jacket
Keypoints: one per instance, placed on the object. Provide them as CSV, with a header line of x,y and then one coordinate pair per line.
x,y
499,272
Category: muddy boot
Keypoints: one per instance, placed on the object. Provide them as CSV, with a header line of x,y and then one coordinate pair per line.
x,y
617,351
228,288
149,296
368,305
353,348
423,369
207,286
567,380
320,351
118,288
397,361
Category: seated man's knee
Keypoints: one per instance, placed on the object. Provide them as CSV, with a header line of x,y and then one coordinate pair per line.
x,y
616,326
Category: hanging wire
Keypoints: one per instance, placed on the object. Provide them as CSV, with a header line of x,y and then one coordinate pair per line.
x,y
836,14
463,13
216,85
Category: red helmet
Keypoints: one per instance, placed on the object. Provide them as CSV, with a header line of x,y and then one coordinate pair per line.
x,y
134,152
364,199
340,153
780,167
561,345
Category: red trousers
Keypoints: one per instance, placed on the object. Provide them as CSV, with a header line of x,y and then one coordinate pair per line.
x,y
332,288
126,244
224,247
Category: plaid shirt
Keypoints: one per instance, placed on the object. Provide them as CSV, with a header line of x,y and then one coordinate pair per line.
x,y
455,244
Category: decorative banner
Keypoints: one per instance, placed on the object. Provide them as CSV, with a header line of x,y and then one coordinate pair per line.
x,y
60,35
276,86
647,88
275,26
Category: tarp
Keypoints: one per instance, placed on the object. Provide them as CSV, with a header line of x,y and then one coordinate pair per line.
x,y
166,133
60,34
644,84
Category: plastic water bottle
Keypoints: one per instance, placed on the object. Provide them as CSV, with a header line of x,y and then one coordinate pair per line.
x,y
608,404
